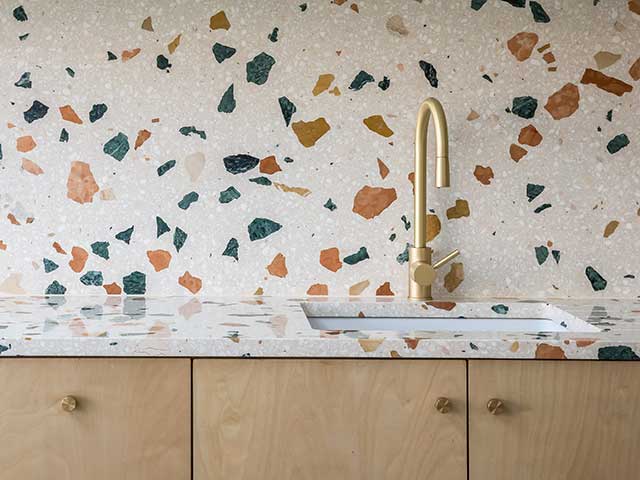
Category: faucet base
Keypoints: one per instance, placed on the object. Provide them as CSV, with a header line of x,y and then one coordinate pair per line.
x,y
420,258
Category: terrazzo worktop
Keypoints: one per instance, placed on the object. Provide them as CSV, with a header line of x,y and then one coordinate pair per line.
x,y
278,327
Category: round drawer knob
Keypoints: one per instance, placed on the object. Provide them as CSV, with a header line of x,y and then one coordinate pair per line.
x,y
495,406
443,405
69,403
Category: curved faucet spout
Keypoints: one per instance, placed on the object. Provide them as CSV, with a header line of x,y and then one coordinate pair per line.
x,y
429,107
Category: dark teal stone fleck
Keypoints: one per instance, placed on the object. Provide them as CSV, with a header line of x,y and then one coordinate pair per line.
x,y
404,256
597,281
384,83
288,160
228,195
539,15
524,107
35,112
23,37
64,135
477,4
161,227
135,283
188,199
19,14
617,143
240,163
542,208
303,7
231,250
97,112
111,56
542,253
392,237
533,191
287,108
264,181
621,352
227,102
556,255
260,228
429,72
357,257
258,69
55,289
500,309
516,3
117,147
406,222
92,277
4,349
0,151
70,72
49,265
329,205
125,235
187,131
165,167
162,63
610,115
273,36
222,52
24,81
360,80
101,249
179,238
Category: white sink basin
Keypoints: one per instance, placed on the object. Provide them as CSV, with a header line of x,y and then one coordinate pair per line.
x,y
405,317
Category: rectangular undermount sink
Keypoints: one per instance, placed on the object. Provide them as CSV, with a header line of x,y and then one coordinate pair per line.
x,y
525,317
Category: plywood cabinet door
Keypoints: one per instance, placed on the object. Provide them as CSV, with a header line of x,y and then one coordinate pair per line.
x,y
289,419
131,419
560,421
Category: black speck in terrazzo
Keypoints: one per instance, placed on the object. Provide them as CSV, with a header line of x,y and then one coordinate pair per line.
x,y
329,205
19,14
35,112
539,14
222,52
190,130
473,346
516,3
92,278
70,72
240,163
162,63
135,283
533,191
288,160
228,195
303,7
360,80
101,249
165,167
260,228
542,253
429,72
621,352
273,36
161,227
97,112
392,237
288,109
259,68
487,78
125,235
188,199
556,255
406,222
111,56
357,257
598,283
55,289
617,143
500,309
64,136
49,265
542,208
629,276
231,250
264,181
524,107
117,147
24,81
384,84
610,115
23,37
179,238
228,101
477,4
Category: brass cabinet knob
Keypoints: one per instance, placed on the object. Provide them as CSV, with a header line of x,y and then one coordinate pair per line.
x,y
443,404
423,273
495,406
69,403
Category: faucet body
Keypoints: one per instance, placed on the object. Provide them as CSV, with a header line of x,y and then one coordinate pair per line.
x,y
421,270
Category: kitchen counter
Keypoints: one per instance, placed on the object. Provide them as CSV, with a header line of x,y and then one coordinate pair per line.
x,y
278,327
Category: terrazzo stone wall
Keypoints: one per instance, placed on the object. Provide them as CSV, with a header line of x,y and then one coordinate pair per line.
x,y
239,147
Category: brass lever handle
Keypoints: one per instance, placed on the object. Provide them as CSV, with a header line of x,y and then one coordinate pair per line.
x,y
447,259
443,405
495,406
68,403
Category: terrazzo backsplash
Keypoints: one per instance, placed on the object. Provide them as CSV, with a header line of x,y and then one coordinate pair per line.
x,y
266,147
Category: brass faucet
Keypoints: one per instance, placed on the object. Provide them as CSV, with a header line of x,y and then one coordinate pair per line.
x,y
421,272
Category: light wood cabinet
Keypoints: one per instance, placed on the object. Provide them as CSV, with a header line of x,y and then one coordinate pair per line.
x,y
328,419
131,421
561,420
